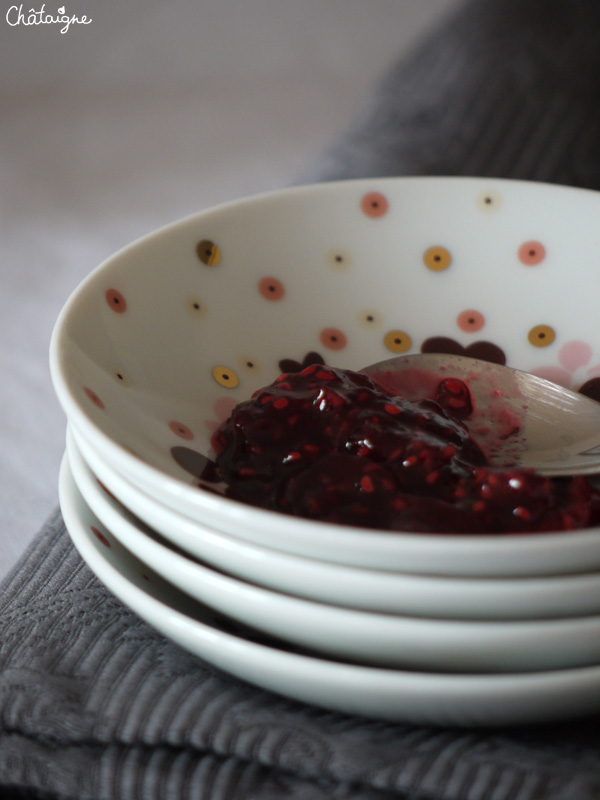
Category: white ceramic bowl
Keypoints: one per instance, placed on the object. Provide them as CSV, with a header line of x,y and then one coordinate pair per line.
x,y
387,640
424,698
353,587
152,350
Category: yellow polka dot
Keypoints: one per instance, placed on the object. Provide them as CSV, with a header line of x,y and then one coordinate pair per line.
x,y
397,341
541,335
225,377
437,258
208,252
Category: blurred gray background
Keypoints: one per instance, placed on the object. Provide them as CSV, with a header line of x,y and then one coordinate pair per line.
x,y
150,112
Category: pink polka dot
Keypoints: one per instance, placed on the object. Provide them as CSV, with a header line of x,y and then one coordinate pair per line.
x,y
532,253
573,355
374,204
181,430
470,321
223,407
271,288
116,301
100,536
93,397
333,339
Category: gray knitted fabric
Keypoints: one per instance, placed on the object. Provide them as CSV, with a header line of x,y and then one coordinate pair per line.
x,y
505,88
96,705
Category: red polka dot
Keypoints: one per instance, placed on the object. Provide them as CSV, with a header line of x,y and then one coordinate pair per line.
x,y
333,339
93,397
532,253
271,288
116,301
100,536
181,430
470,321
374,204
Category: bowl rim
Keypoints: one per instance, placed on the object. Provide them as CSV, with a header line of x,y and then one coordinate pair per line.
x,y
196,541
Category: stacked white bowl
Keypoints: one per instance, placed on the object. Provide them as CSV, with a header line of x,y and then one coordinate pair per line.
x,y
154,349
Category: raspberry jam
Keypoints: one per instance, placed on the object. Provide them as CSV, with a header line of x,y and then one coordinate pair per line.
x,y
330,444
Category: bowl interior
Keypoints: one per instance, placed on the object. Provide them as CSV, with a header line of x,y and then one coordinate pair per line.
x,y
156,345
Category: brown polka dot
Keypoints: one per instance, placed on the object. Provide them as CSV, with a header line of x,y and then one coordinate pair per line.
x,y
442,344
485,351
591,389
292,365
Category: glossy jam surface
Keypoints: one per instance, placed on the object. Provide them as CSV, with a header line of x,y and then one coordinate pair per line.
x,y
329,444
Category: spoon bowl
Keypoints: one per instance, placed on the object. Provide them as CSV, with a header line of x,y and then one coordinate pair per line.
x,y
518,419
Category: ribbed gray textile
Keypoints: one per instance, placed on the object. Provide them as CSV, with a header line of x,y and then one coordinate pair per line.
x,y
95,705
504,88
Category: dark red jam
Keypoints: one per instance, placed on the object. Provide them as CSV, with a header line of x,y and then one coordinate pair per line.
x,y
329,444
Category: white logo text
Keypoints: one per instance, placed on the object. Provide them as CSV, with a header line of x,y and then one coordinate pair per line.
x,y
16,16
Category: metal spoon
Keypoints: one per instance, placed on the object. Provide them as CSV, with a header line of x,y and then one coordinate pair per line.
x,y
518,419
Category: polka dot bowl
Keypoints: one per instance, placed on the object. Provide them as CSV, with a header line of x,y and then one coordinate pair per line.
x,y
154,348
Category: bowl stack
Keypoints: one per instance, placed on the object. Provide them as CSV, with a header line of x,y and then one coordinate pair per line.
x,y
157,345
